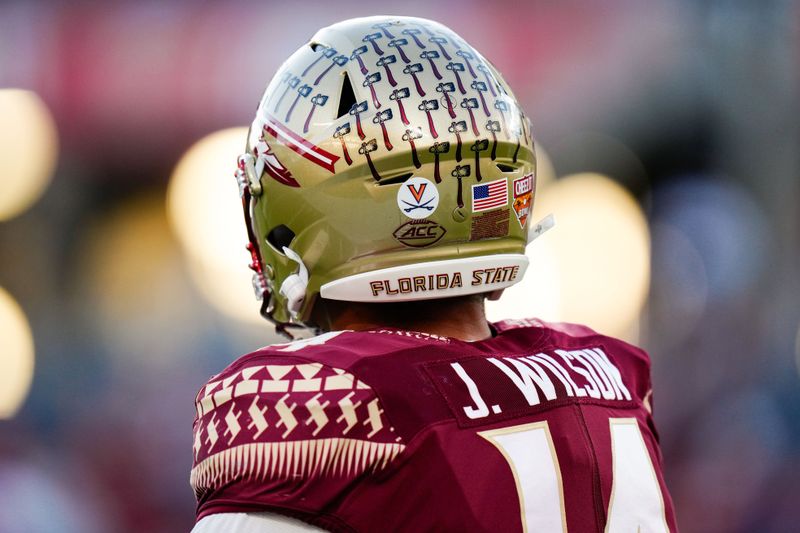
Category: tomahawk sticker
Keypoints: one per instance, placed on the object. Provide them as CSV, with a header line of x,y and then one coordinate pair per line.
x,y
417,198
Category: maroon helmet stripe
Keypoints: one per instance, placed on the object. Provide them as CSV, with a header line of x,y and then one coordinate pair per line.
x,y
310,151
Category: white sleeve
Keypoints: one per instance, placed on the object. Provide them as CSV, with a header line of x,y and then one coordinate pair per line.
x,y
250,523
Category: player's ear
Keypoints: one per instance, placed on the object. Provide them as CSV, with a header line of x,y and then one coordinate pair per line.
x,y
494,295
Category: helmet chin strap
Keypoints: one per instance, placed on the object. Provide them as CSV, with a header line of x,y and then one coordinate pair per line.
x,y
541,228
294,286
249,185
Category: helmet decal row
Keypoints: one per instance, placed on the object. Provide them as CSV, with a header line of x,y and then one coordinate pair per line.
x,y
466,95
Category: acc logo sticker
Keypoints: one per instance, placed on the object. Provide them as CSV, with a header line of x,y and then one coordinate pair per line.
x,y
419,233
417,198
523,190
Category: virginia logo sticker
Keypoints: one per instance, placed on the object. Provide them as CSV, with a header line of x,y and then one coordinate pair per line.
x,y
417,198
417,191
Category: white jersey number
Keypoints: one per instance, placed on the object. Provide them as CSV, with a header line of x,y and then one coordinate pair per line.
x,y
636,501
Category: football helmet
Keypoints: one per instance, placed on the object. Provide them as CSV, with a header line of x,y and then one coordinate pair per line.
x,y
388,161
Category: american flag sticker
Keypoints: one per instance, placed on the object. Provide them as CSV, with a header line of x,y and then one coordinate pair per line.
x,y
487,196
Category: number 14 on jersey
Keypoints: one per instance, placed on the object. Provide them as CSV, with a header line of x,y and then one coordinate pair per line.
x,y
636,504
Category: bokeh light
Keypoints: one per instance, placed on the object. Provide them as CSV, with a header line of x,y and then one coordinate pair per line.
x,y
593,267
206,214
16,356
679,272
28,150
74,501
539,293
710,241
126,249
724,223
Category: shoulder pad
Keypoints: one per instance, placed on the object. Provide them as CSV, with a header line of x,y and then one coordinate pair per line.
x,y
273,416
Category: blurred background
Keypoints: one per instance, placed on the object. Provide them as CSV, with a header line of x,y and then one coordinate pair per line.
x,y
668,137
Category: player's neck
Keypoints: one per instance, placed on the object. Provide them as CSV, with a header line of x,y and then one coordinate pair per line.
x,y
461,318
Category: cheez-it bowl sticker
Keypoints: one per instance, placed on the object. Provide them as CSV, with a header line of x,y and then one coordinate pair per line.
x,y
523,191
417,198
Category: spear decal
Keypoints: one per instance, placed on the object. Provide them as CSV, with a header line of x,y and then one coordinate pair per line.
x,y
525,121
428,106
412,32
284,79
410,135
459,173
481,145
426,29
485,71
367,147
380,118
384,27
399,44
440,41
384,62
291,84
467,56
430,55
493,126
413,69
357,53
371,80
502,106
327,51
517,132
446,89
318,100
337,61
436,149
356,111
302,92
371,38
398,95
458,128
340,132
481,88
456,68
469,104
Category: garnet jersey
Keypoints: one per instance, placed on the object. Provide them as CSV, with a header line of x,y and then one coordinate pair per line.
x,y
539,428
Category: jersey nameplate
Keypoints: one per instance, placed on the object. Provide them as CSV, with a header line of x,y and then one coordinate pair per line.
x,y
481,390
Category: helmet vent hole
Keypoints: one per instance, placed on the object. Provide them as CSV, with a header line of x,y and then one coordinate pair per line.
x,y
314,46
396,179
347,99
280,236
506,168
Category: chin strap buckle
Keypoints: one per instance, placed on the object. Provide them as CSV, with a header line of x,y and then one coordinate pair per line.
x,y
260,286
294,286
